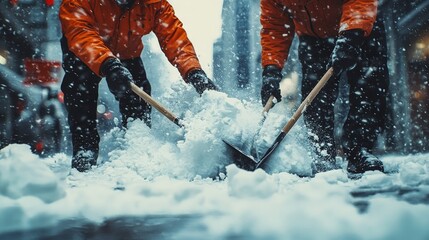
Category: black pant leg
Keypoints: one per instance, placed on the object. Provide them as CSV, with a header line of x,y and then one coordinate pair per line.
x,y
81,103
80,88
368,93
132,106
319,116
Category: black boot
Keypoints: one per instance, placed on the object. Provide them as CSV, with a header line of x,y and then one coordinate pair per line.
x,y
83,160
363,161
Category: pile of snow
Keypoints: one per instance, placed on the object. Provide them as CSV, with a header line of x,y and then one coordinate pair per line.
x,y
171,171
38,180
198,149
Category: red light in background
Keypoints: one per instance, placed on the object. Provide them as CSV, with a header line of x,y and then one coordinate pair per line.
x,y
49,3
61,97
40,72
108,115
39,146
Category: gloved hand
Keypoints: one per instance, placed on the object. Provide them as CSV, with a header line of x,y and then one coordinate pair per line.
x,y
200,81
347,51
271,77
118,77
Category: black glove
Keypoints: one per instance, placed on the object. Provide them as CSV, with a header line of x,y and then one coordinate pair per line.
x,y
200,81
347,51
271,77
118,77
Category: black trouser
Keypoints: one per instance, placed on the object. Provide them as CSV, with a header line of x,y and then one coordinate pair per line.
x,y
368,84
80,88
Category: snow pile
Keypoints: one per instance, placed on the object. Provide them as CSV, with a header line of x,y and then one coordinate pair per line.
x,y
165,170
241,203
284,206
26,184
38,180
198,149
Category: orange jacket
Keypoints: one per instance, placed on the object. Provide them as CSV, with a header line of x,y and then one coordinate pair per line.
x,y
99,29
281,19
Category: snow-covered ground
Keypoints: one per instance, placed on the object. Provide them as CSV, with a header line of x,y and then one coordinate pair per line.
x,y
176,183
167,171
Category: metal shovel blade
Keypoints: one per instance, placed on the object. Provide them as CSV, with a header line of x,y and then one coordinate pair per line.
x,y
271,149
243,160
249,161
305,103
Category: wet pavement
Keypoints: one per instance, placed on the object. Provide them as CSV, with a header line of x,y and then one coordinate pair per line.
x,y
148,227
190,226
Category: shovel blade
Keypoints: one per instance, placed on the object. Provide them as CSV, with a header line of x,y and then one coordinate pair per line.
x,y
242,159
271,149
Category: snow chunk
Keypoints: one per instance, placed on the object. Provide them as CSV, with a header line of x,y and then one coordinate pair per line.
x,y
412,173
22,173
256,184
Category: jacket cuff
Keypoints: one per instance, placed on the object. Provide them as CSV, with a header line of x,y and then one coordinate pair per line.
x,y
272,70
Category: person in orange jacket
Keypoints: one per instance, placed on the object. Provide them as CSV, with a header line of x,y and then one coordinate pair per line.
x,y
348,36
102,38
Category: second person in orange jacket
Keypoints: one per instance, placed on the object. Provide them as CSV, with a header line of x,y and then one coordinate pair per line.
x,y
349,36
102,38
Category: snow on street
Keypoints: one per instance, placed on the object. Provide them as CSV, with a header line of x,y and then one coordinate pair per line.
x,y
167,171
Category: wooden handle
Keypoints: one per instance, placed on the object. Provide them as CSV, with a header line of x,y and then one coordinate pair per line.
x,y
307,101
268,105
155,104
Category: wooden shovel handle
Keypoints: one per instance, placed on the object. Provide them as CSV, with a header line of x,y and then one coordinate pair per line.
x,y
268,105
307,101
147,98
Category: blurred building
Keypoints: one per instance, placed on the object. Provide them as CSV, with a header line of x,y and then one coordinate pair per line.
x,y
28,29
237,61
236,54
30,32
407,24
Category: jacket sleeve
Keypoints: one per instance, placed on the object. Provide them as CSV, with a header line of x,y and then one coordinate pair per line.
x,y
277,33
83,39
174,41
359,14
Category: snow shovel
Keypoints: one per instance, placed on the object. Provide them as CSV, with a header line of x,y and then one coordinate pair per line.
x,y
267,108
244,164
156,105
250,162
